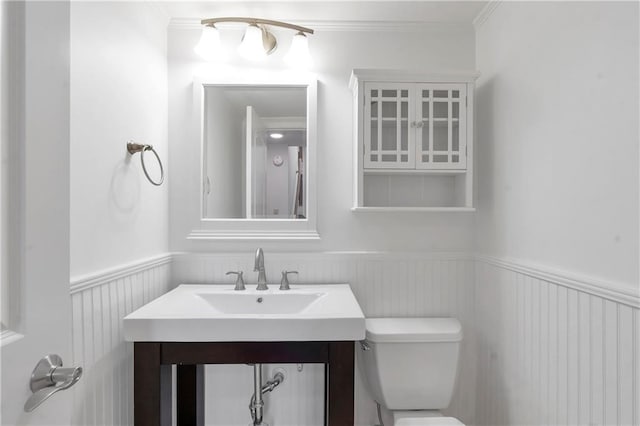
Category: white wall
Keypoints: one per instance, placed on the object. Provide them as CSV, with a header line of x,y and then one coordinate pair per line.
x,y
335,54
557,137
278,178
224,153
119,221
118,93
557,296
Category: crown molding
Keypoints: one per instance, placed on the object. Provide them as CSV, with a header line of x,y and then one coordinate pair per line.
x,y
159,10
485,13
346,26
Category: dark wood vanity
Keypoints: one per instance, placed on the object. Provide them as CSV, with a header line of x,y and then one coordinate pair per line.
x,y
153,378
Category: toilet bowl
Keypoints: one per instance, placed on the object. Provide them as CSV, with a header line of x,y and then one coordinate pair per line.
x,y
410,366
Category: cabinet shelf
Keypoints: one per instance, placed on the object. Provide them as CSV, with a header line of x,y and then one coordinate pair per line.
x,y
441,172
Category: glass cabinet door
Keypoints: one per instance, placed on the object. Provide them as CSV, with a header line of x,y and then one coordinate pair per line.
x,y
441,130
387,126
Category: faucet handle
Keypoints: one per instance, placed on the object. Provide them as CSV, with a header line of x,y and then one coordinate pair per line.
x,y
284,282
239,279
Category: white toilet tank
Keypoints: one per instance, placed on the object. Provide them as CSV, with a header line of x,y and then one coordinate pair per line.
x,y
412,363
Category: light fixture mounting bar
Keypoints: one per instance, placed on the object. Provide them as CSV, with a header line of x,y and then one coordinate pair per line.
x,y
213,21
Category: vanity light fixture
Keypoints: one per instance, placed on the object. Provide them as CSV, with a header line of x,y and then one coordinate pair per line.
x,y
257,43
209,47
298,54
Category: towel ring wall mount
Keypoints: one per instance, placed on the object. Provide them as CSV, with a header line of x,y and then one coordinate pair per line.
x,y
133,148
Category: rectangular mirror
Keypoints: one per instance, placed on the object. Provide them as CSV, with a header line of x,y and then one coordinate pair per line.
x,y
254,152
253,175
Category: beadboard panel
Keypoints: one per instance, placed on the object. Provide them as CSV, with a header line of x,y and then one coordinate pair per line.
x,y
104,396
547,353
385,284
553,355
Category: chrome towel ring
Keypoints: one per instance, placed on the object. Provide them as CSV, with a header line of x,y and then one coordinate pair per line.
x,y
133,147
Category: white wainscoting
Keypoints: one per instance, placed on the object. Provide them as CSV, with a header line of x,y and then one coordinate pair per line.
x,y
549,350
104,395
553,352
385,284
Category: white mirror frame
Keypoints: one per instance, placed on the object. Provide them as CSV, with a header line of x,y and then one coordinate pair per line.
x,y
252,229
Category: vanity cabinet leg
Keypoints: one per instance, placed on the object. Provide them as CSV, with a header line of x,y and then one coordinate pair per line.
x,y
151,386
190,395
339,378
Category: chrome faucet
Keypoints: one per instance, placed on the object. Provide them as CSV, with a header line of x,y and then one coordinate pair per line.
x,y
259,266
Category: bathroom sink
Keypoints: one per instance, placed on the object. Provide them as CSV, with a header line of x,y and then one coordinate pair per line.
x,y
218,313
234,302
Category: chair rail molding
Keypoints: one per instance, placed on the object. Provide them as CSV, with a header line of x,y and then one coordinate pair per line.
x,y
84,282
608,290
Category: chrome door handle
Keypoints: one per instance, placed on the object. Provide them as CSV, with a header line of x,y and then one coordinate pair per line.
x,y
48,378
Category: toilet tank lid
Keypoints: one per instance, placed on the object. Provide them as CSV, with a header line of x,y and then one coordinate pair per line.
x,y
413,330
429,421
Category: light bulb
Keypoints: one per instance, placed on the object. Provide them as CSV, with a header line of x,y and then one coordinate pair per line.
x,y
252,46
209,46
298,55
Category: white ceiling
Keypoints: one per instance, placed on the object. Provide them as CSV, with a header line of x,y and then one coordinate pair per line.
x,y
447,11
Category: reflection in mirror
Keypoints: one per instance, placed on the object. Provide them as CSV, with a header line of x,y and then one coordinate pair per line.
x,y
254,152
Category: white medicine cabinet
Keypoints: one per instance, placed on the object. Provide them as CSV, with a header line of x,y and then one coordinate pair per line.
x,y
413,140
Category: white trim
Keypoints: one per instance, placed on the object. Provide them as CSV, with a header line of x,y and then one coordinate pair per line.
x,y
84,282
605,289
411,76
9,336
212,234
485,13
316,255
345,26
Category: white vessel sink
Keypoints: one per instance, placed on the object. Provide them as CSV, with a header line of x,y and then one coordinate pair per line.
x,y
218,313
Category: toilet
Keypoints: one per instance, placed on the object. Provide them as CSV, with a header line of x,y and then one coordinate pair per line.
x,y
411,365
